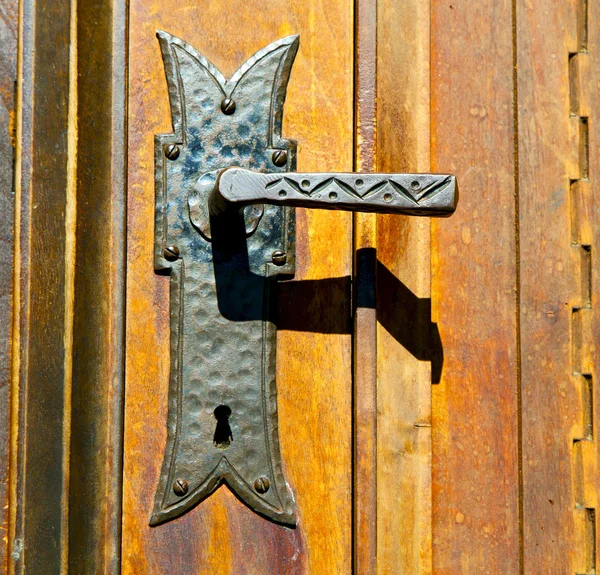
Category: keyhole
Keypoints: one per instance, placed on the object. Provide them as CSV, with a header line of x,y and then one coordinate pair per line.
x,y
223,436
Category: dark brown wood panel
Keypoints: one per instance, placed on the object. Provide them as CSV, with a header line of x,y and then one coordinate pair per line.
x,y
41,390
474,282
98,290
548,156
314,369
8,82
66,400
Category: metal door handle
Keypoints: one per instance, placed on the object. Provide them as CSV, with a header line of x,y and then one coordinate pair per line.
x,y
433,195
225,233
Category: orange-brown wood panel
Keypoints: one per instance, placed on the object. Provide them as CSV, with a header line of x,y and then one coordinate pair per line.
x,y
550,284
474,278
405,333
314,369
365,313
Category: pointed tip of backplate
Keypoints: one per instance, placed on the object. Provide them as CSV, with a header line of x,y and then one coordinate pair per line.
x,y
165,509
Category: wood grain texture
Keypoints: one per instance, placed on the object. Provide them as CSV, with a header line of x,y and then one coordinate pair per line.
x,y
548,148
41,374
584,72
314,371
588,216
474,278
365,305
403,304
8,78
98,316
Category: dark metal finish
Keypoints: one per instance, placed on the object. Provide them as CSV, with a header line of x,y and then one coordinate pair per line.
x,y
171,253
280,158
229,211
228,106
222,284
172,151
180,487
262,485
279,258
410,194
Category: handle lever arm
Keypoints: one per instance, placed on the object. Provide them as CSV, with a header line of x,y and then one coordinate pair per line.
x,y
433,195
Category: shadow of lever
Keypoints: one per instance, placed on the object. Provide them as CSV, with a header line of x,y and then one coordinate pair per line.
x,y
319,306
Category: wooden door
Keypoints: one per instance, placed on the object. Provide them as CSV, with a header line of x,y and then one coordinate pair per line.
x,y
436,379
330,111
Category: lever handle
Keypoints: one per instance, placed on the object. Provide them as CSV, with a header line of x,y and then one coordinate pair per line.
x,y
434,195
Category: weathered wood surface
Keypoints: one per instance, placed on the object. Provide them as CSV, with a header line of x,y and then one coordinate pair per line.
x,y
314,370
42,337
550,285
98,365
364,337
585,215
403,305
8,78
68,289
515,475
474,282
512,295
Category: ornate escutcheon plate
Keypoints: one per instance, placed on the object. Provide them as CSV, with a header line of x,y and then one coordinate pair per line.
x,y
222,420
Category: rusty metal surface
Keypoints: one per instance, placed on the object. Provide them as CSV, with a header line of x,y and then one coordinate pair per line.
x,y
222,283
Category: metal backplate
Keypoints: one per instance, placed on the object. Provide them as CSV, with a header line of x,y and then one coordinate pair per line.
x,y
222,421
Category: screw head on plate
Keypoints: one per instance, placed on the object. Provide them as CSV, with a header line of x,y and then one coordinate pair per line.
x,y
171,253
280,158
279,257
228,106
262,484
180,487
172,151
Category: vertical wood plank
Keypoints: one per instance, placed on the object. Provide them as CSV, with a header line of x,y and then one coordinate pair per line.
x,y
475,420
584,74
550,284
65,400
41,374
8,82
98,316
588,215
404,332
365,313
314,369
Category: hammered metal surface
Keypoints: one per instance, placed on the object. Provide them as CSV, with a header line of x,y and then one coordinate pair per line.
x,y
222,285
